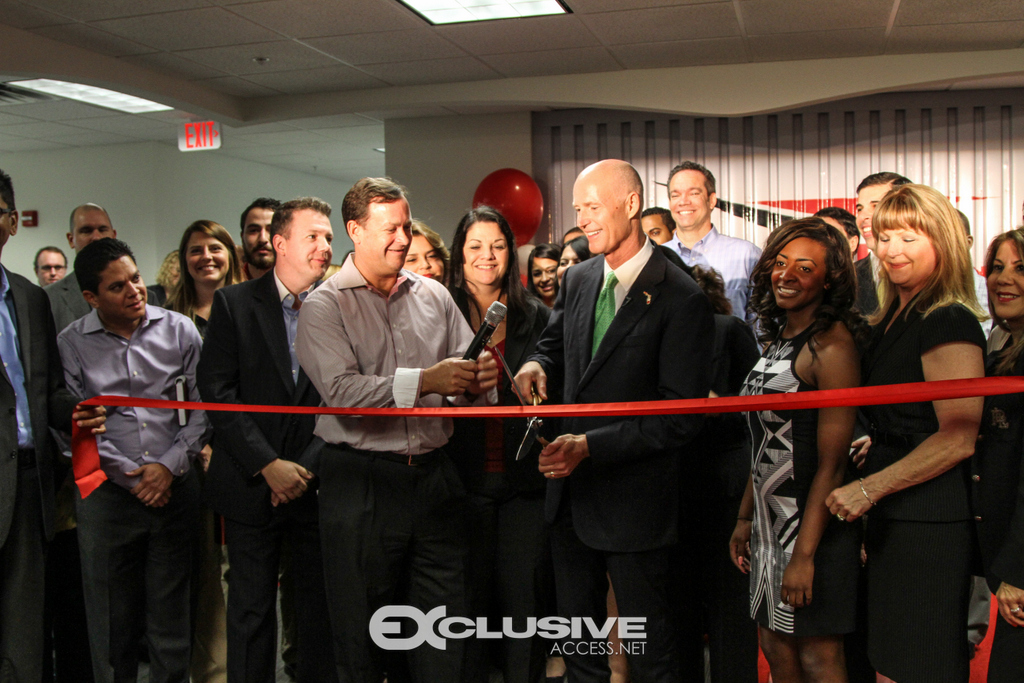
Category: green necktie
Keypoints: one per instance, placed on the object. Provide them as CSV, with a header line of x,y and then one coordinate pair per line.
x,y
604,311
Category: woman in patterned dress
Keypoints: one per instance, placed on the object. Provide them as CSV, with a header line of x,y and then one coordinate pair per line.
x,y
802,564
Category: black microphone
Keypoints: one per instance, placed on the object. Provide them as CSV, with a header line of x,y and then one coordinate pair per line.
x,y
495,314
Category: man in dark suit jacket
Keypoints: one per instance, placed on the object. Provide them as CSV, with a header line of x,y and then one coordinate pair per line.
x,y
88,223
31,379
613,494
259,477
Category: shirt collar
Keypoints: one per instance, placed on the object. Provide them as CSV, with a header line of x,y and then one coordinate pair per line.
x,y
349,277
283,292
629,271
677,244
92,321
5,285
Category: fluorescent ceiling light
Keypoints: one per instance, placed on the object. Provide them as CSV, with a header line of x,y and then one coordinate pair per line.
x,y
455,11
91,95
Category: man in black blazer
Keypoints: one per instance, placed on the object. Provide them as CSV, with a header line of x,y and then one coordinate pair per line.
x,y
88,223
33,399
613,492
260,476
870,191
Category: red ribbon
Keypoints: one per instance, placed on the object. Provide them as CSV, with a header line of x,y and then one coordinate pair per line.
x,y
88,474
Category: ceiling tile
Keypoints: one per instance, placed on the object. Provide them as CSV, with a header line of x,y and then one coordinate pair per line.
x,y
60,110
208,27
390,46
956,37
24,16
169,63
317,80
797,16
126,124
9,119
591,6
40,129
28,145
230,85
664,24
93,39
681,53
816,45
314,18
922,12
530,34
94,10
333,121
243,131
576,60
426,71
283,55
90,138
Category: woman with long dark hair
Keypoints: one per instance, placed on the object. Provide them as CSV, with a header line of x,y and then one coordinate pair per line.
x,y
541,268
920,536
508,566
997,472
208,261
575,251
802,563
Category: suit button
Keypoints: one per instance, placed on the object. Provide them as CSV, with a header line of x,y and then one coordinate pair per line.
x,y
976,477
14,454
977,518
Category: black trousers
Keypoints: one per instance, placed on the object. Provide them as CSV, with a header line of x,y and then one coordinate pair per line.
x,y
712,595
1004,665
136,569
66,656
22,560
391,531
641,582
255,553
509,575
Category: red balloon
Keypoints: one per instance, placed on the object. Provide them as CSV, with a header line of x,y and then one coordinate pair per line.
x,y
517,197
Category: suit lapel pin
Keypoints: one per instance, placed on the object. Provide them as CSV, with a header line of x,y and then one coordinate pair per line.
x,y
648,298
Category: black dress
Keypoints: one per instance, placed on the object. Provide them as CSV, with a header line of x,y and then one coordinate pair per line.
x,y
784,462
919,540
998,502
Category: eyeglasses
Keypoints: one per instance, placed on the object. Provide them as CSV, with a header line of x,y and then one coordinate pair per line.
x,y
5,212
53,268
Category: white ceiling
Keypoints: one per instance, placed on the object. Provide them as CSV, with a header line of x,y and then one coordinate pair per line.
x,y
330,46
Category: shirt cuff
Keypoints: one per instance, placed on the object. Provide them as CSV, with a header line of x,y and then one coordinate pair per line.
x,y
176,460
406,387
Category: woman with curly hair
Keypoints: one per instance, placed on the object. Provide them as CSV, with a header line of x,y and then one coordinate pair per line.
x,y
920,531
803,564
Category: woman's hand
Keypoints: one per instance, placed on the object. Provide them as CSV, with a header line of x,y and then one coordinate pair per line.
x,y
860,448
797,581
1011,604
739,545
848,502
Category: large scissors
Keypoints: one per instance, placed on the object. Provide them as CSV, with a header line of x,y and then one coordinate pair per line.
x,y
533,424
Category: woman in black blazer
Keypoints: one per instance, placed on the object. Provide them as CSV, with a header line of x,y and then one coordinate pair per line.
x,y
997,476
920,534
508,570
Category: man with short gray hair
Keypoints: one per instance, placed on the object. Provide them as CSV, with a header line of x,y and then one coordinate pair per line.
x,y
88,222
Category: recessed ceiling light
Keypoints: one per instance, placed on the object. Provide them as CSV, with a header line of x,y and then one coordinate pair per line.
x,y
455,11
101,97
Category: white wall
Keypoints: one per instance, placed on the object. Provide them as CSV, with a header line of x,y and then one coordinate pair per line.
x,y
152,192
441,160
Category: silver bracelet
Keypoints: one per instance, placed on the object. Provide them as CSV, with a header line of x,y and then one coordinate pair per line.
x,y
865,492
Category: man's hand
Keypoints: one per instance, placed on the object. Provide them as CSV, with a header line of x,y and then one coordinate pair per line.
x,y
287,480
204,457
531,378
486,374
154,487
560,457
91,417
450,377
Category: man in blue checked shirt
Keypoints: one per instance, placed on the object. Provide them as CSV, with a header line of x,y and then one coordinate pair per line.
x,y
136,530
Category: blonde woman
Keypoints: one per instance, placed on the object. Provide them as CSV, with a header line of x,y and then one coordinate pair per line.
x,y
920,528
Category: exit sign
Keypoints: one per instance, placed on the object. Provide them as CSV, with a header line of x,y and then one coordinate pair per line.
x,y
199,135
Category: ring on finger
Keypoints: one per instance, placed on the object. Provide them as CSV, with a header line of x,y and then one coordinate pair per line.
x,y
840,517
1015,609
